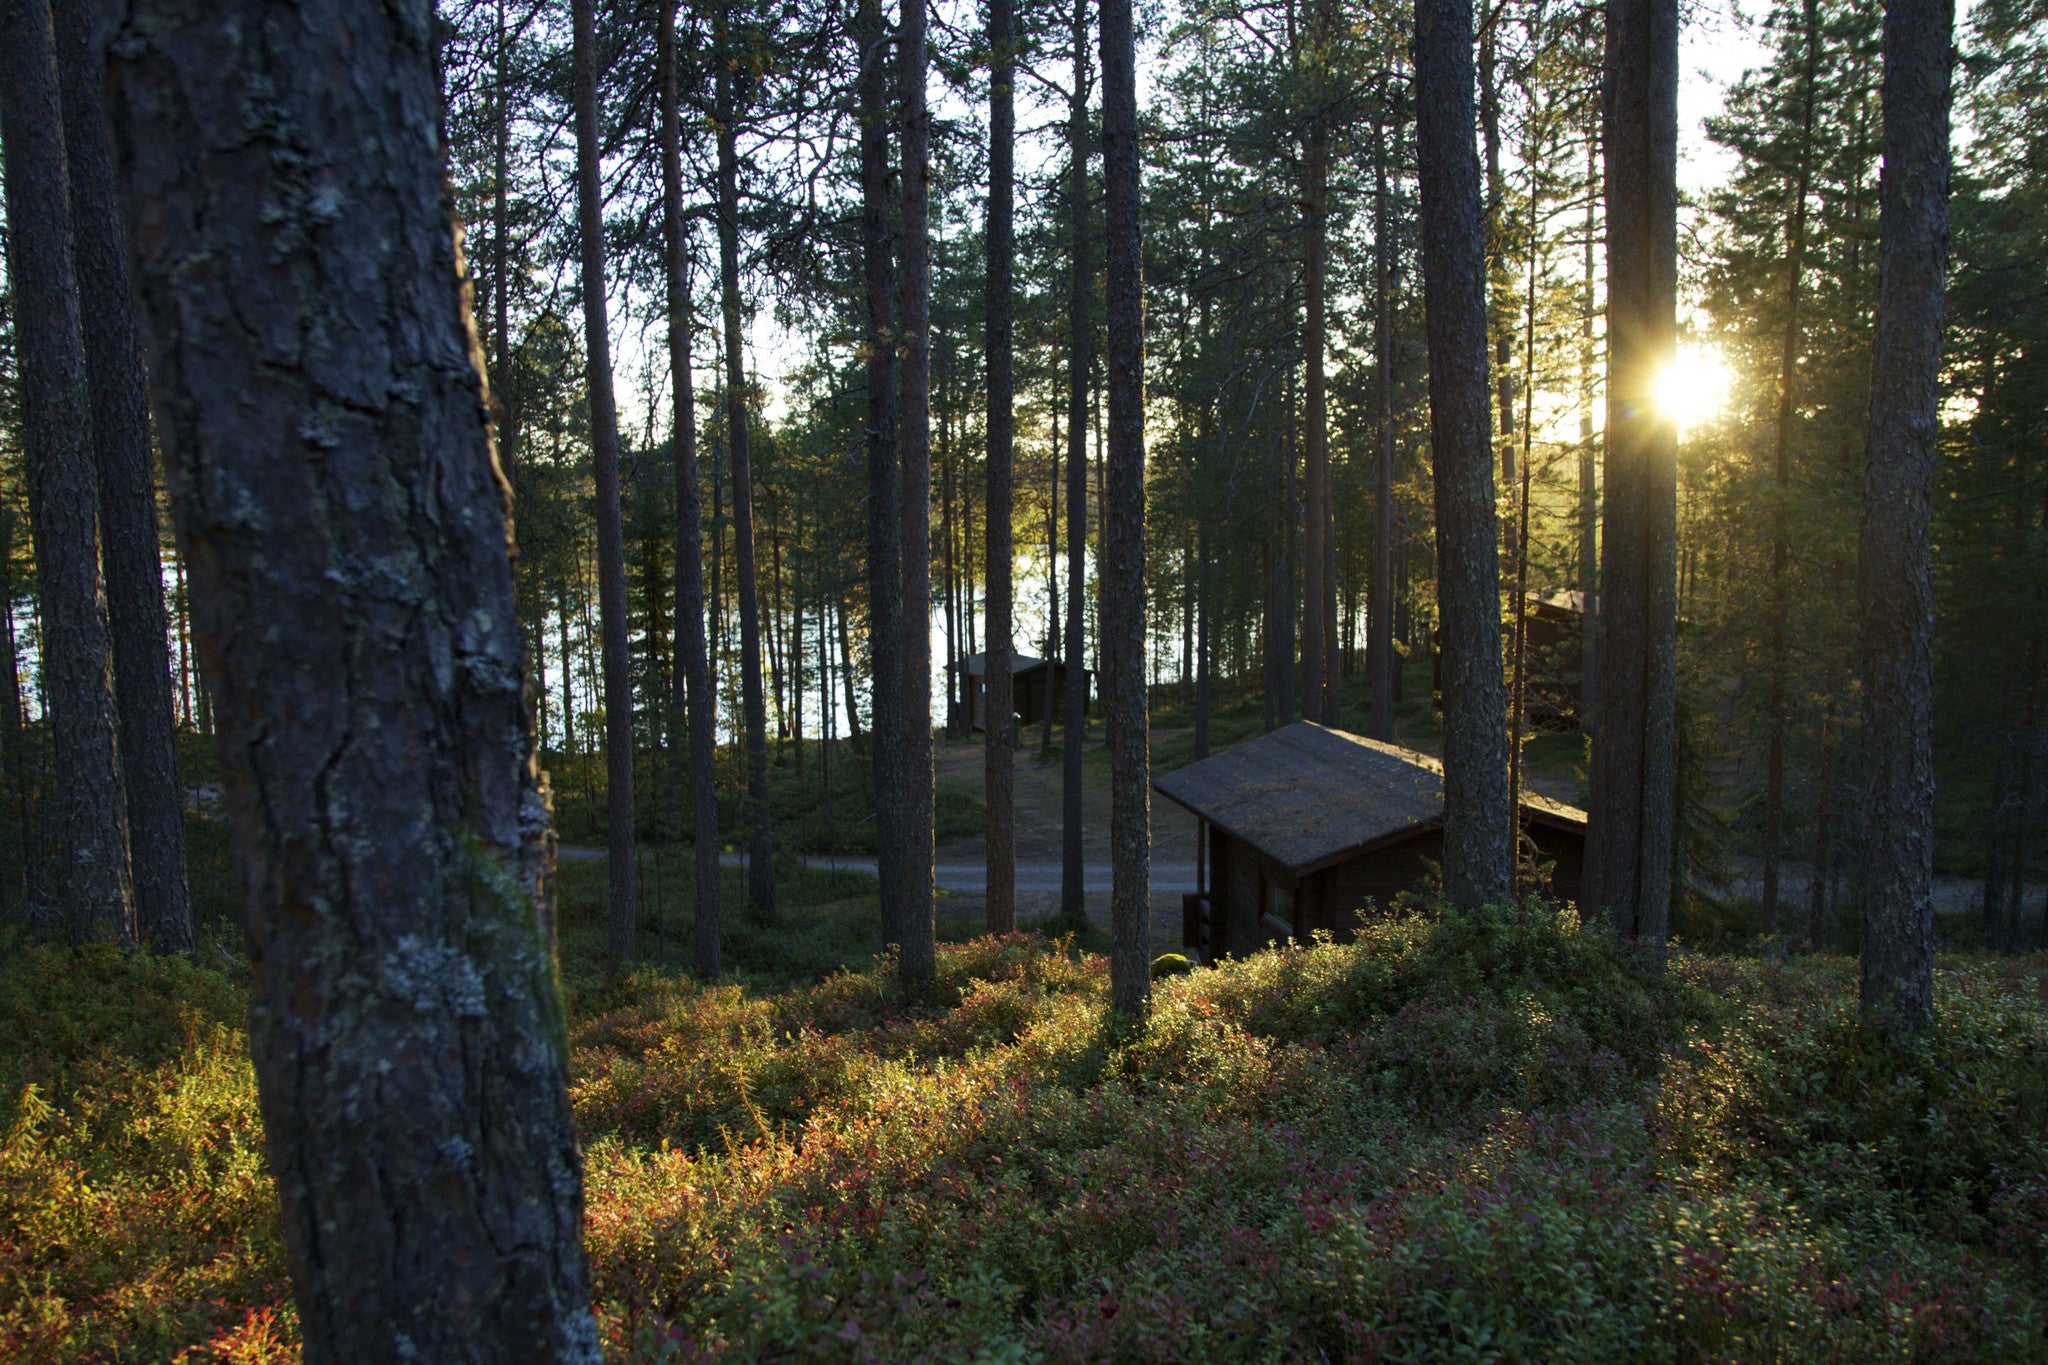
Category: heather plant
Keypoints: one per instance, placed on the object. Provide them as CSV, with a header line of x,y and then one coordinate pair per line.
x,y
1460,1136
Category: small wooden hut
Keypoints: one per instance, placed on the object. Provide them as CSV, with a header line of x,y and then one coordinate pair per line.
x,y
1555,655
1307,827
1035,684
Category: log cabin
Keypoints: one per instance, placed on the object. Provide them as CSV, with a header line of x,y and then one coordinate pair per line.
x,y
1035,684
1311,828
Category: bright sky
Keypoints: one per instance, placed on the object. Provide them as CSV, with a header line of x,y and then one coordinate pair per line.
x,y
1715,48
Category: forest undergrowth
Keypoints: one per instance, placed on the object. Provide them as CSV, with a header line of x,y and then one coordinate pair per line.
x,y
1475,1136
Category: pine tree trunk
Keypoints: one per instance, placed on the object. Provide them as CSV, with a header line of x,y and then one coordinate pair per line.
x,y
1319,681
321,407
91,833
501,229
914,453
693,678
1589,473
1073,885
1477,830
604,458
1380,612
1781,547
1895,587
885,556
130,539
1123,550
999,703
1629,843
753,698
1204,645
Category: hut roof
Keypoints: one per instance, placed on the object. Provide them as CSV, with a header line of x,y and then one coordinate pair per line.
x,y
976,665
1308,796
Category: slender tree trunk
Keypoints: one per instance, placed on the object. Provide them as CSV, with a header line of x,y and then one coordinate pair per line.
x,y
1823,825
778,628
501,232
1073,887
91,833
1123,550
1781,548
1052,566
846,678
1318,686
914,447
1518,701
950,592
885,561
694,676
1629,842
1204,645
1499,282
1895,588
130,538
1000,702
1589,473
753,703
391,826
1477,831
1380,612
604,454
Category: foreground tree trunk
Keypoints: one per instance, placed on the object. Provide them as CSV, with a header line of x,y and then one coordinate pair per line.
x,y
129,534
1073,874
885,489
604,460
914,452
321,402
999,704
1894,585
91,833
1630,827
1123,549
694,675
1478,832
753,700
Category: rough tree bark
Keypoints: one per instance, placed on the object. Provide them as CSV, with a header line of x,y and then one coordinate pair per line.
x,y
885,559
1894,584
1123,550
129,534
694,677
999,704
90,840
1477,829
604,460
1630,826
1073,883
753,700
320,397
914,455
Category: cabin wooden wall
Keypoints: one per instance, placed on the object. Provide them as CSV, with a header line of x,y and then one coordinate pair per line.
x,y
1244,885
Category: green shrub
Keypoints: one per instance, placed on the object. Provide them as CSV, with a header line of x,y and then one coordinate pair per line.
x,y
1474,1136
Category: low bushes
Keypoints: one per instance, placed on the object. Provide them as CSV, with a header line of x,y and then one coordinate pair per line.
x,y
1474,1136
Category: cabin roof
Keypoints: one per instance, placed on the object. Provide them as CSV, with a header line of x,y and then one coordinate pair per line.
x,y
976,665
1308,796
1557,601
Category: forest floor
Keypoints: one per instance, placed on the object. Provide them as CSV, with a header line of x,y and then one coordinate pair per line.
x,y
1462,1137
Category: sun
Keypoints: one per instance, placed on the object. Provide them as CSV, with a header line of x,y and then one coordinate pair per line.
x,y
1694,386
